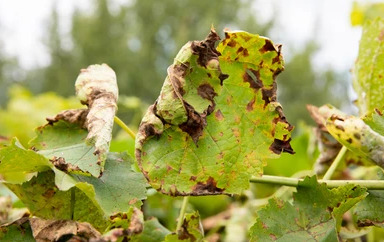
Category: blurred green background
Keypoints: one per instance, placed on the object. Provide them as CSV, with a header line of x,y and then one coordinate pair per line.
x,y
140,39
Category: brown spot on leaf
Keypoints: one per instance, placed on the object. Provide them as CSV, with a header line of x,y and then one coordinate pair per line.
x,y
340,127
268,95
349,140
193,178
195,124
232,43
279,146
357,135
59,163
206,91
250,105
240,49
378,112
222,77
219,115
268,46
209,187
206,49
253,78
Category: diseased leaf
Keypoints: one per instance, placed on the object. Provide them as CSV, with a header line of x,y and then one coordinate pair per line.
x,y
216,120
96,87
369,72
153,232
358,137
63,143
18,231
45,200
191,230
328,145
116,191
125,226
370,211
57,230
315,215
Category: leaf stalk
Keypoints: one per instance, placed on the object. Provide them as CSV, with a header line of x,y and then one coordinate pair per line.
x,y
294,182
124,127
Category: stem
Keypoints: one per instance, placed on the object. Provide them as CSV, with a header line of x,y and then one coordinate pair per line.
x,y
182,213
73,199
125,127
294,182
335,164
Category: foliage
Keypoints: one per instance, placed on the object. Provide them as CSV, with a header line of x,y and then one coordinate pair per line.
x,y
215,125
178,129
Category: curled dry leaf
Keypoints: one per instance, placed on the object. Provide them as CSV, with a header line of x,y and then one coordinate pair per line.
x,y
96,87
54,230
216,120
330,146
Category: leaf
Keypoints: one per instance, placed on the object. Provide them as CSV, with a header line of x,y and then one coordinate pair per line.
x,y
216,119
358,137
63,143
58,230
18,165
370,211
8,214
96,87
191,229
119,188
315,215
46,201
369,72
153,232
125,226
18,231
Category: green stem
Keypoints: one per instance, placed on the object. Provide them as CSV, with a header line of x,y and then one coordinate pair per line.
x,y
294,182
73,199
125,127
335,164
182,213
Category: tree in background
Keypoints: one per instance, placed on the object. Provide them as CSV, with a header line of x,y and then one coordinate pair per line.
x,y
139,41
300,84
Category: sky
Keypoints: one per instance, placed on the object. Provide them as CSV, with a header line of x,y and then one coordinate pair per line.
x,y
23,24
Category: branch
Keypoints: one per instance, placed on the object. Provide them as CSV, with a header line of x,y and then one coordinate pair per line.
x,y
294,182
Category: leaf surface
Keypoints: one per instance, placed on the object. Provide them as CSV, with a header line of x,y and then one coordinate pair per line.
x,y
216,119
315,215
370,211
191,229
369,71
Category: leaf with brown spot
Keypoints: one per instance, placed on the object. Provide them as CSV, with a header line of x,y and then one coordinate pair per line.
x,y
191,230
210,100
315,215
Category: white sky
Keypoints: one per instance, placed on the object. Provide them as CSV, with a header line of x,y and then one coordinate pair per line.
x,y
23,22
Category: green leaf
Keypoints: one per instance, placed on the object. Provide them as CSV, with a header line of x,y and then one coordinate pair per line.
x,y
66,140
315,215
18,165
45,200
119,188
19,231
216,120
153,232
370,211
191,229
369,71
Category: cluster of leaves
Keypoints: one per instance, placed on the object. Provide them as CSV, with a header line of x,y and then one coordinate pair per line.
x,y
215,125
